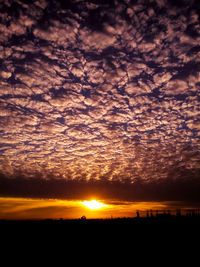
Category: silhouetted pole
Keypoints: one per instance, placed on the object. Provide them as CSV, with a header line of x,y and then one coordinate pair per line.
x,y
178,212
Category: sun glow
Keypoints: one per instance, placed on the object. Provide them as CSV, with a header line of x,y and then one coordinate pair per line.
x,y
93,204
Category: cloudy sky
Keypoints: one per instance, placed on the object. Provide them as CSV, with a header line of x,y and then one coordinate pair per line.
x,y
100,99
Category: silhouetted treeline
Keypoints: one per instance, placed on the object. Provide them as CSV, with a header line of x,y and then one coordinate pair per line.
x,y
168,212
146,217
155,228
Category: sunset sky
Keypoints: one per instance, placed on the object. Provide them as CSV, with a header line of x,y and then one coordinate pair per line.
x,y
99,100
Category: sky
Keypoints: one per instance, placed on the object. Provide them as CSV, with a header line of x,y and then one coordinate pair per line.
x,y
98,100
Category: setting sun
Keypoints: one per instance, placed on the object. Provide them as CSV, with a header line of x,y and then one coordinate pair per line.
x,y
93,204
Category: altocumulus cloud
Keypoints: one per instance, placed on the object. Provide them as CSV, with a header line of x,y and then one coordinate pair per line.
x,y
100,96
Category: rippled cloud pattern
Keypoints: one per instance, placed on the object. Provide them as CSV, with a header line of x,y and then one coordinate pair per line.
x,y
100,90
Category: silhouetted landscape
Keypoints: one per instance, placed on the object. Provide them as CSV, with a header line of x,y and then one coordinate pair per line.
x,y
156,219
150,232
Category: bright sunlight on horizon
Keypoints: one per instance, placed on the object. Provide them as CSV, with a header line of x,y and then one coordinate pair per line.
x,y
93,204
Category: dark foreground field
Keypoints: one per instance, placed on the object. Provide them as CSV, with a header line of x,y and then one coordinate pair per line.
x,y
157,225
154,236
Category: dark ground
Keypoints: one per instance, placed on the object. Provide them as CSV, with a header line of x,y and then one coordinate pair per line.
x,y
161,224
140,240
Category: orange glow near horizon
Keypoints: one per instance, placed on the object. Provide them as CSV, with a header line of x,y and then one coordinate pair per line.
x,y
33,209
